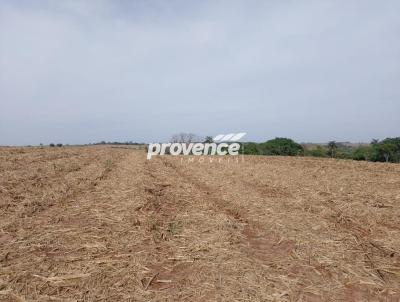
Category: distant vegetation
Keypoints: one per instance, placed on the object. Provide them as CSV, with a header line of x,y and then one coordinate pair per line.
x,y
387,150
277,146
118,143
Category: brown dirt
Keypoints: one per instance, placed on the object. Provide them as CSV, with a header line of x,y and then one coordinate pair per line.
x,y
105,224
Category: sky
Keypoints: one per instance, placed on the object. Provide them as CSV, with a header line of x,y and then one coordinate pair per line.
x,y
77,72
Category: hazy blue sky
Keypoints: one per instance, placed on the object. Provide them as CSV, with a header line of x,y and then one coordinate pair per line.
x,y
85,71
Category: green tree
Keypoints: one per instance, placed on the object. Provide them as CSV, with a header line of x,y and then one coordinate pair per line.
x,y
281,146
383,151
387,150
362,153
394,147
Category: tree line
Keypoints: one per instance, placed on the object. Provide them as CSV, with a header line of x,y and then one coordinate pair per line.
x,y
386,150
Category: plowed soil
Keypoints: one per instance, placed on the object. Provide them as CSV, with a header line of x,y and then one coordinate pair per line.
x,y
105,224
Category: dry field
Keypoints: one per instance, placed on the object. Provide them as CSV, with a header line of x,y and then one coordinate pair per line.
x,y
105,224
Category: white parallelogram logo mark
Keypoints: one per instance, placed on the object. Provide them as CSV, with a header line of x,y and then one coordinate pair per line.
x,y
231,137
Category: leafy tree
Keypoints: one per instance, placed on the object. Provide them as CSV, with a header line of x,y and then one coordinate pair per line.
x,y
52,145
281,146
387,150
362,153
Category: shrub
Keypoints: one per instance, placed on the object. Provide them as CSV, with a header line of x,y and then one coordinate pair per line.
x,y
319,151
249,148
